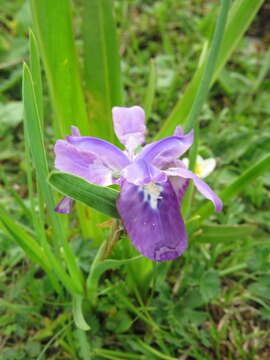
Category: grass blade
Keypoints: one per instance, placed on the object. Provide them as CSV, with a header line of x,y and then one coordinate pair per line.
x,y
102,65
219,233
53,29
34,137
36,73
241,14
78,315
150,90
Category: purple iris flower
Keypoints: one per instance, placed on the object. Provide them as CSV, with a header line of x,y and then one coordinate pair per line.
x,y
153,180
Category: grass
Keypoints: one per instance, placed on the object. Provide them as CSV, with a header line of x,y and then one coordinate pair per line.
x,y
213,302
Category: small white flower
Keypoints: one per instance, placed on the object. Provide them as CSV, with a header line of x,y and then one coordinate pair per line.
x,y
203,167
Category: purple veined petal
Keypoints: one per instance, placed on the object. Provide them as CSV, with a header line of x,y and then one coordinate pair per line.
x,y
129,126
151,216
141,173
178,131
161,153
64,206
202,187
71,159
106,152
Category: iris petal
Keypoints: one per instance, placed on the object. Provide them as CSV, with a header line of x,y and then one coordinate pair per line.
x,y
152,219
64,206
129,126
106,152
163,152
141,173
81,163
202,187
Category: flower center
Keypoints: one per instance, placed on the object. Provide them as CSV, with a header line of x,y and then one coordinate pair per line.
x,y
151,194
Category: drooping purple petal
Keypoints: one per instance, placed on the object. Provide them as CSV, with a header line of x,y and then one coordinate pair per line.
x,y
151,216
64,206
180,185
129,126
202,187
69,158
106,152
163,152
141,173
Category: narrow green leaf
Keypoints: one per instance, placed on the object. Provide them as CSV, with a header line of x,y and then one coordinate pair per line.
x,y
150,90
34,137
78,314
210,63
36,143
102,65
241,14
220,233
237,186
36,73
100,198
53,29
25,241
99,266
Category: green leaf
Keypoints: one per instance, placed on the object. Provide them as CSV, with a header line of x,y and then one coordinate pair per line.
x,y
11,114
78,315
261,288
100,198
220,233
150,90
210,284
34,138
241,14
102,65
36,73
99,266
25,241
53,29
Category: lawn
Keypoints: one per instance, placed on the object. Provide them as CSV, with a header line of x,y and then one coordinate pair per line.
x,y
73,286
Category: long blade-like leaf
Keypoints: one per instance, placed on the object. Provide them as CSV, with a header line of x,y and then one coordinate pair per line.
x,y
219,233
53,29
102,65
100,198
36,143
241,14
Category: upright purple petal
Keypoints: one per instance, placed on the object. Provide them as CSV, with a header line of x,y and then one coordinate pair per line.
x,y
129,126
64,206
178,131
75,131
151,216
106,152
141,173
203,188
162,153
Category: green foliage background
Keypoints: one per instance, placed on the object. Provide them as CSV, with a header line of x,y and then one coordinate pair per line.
x,y
212,303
